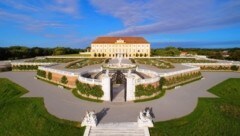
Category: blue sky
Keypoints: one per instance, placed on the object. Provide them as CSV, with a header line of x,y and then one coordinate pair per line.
x,y
75,23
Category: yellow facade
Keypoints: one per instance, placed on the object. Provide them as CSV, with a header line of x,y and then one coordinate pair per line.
x,y
120,49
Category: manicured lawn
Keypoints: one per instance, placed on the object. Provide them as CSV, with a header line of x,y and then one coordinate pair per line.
x,y
28,116
212,116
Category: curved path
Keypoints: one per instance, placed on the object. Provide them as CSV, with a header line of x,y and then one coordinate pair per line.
x,y
63,104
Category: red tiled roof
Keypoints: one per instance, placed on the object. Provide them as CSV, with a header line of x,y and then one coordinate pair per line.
x,y
114,40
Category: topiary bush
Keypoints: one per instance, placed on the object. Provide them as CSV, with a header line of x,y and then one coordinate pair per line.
x,y
41,73
49,76
234,68
64,80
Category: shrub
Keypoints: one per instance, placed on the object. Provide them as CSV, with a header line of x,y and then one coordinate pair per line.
x,y
178,78
87,90
41,73
49,75
234,68
64,80
146,90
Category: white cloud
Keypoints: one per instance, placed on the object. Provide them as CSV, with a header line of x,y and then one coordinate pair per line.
x,y
167,16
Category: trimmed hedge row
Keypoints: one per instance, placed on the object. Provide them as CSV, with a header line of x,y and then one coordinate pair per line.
x,y
148,90
179,78
24,67
187,60
88,90
232,68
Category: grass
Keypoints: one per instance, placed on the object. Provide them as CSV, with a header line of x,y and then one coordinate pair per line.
x,y
75,93
212,116
28,116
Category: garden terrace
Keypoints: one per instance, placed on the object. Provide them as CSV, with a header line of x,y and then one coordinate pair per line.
x,y
155,62
85,62
53,60
212,116
187,60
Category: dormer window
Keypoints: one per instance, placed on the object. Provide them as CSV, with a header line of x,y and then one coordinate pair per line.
x,y
120,41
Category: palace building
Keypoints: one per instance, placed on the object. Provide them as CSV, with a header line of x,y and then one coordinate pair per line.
x,y
127,47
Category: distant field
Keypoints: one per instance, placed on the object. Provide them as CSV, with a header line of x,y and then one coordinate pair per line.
x,y
212,116
28,116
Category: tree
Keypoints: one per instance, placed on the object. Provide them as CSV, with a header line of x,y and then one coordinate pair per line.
x,y
49,75
64,80
59,51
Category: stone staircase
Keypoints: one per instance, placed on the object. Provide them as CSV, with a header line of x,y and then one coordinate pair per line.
x,y
117,129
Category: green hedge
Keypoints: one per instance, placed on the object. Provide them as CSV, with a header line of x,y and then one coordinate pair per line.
x,y
148,90
233,67
41,73
64,80
49,76
88,90
179,78
24,67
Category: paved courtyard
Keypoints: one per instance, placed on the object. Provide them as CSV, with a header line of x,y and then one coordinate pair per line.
x,y
174,104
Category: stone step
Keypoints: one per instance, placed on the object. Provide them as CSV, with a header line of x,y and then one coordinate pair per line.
x,y
117,129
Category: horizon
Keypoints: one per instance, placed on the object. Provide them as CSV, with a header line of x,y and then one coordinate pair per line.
x,y
75,23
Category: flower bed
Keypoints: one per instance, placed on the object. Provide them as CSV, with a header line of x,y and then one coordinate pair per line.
x,y
155,62
85,62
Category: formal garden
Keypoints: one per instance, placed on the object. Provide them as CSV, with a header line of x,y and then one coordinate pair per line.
x,y
53,60
212,116
154,62
28,116
86,62
186,60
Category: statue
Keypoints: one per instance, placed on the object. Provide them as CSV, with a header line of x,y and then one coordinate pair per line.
x,y
145,119
90,119
129,72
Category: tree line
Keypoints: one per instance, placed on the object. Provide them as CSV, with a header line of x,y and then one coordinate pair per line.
x,y
22,52
227,53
